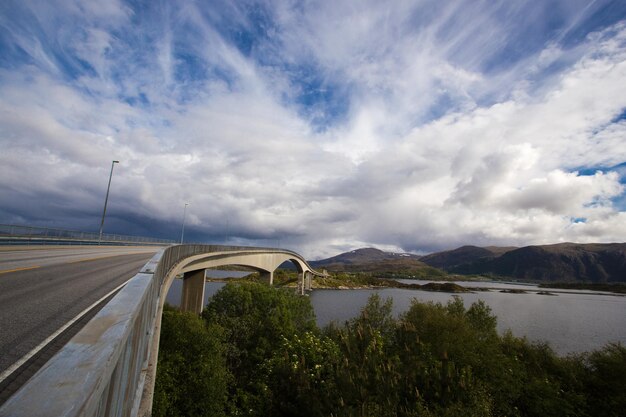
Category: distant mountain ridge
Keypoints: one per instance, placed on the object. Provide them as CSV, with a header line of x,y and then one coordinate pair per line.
x,y
459,256
562,262
376,260
364,255
592,262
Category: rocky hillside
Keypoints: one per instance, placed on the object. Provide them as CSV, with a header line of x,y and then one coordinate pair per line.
x,y
561,262
378,261
460,256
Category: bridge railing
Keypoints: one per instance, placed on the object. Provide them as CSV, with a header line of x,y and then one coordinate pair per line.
x,y
17,234
101,370
108,368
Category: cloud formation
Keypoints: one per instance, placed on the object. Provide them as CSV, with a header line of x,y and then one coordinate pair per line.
x,y
410,125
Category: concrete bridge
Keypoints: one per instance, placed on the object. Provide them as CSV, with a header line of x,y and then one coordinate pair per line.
x,y
109,367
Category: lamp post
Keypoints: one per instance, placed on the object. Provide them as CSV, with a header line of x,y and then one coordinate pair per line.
x,y
106,199
182,232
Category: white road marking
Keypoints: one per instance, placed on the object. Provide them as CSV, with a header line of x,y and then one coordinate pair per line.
x,y
43,344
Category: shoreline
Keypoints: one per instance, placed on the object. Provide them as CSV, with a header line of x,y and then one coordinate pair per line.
x,y
450,287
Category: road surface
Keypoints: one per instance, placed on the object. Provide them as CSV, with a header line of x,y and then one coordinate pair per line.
x,y
42,288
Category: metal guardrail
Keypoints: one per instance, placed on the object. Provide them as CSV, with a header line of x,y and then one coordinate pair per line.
x,y
108,368
16,234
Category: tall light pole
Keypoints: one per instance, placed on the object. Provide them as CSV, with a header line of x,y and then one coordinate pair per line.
x,y
106,199
182,232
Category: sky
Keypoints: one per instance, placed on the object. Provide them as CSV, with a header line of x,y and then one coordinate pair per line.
x,y
317,126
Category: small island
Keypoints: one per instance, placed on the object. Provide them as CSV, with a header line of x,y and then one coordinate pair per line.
x,y
444,287
513,291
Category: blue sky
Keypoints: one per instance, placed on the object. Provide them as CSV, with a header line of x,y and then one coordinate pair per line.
x,y
318,126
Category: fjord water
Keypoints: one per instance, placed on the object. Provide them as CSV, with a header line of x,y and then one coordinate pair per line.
x,y
570,321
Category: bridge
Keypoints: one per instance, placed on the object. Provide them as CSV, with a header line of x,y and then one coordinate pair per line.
x,y
108,368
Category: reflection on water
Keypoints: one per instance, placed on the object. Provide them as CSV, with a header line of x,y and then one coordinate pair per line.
x,y
569,321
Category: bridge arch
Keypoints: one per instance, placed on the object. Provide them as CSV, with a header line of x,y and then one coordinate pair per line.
x,y
193,270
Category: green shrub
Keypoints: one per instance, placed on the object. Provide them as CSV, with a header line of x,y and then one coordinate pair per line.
x,y
192,378
257,351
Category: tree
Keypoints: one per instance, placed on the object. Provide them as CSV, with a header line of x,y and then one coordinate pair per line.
x,y
368,376
439,347
606,381
256,318
259,352
302,376
192,378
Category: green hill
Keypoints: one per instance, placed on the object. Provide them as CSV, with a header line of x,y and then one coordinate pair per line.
x,y
380,262
563,262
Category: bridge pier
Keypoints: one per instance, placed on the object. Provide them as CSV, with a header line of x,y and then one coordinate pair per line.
x,y
305,280
267,277
300,289
192,296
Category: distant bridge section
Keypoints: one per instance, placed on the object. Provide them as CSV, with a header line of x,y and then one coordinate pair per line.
x,y
109,367
25,235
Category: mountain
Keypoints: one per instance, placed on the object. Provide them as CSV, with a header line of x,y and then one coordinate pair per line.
x,y
461,256
594,262
376,260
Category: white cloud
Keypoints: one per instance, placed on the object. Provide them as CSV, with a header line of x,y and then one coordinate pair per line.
x,y
432,150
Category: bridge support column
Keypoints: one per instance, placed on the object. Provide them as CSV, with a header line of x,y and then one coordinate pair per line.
x,y
308,278
267,277
301,283
192,297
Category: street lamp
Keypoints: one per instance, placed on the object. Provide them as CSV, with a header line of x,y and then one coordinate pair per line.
x,y
182,232
106,199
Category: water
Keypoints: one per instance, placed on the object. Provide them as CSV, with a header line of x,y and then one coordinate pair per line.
x,y
569,322
210,288
572,321
173,295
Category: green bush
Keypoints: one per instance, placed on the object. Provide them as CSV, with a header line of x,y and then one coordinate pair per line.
x,y
192,378
256,318
605,381
257,351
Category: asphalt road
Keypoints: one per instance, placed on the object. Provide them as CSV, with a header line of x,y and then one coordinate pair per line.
x,y
41,289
